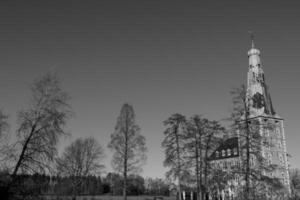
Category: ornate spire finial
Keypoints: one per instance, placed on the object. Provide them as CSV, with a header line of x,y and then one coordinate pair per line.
x,y
252,38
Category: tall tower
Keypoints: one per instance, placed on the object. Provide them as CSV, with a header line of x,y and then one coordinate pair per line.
x,y
261,108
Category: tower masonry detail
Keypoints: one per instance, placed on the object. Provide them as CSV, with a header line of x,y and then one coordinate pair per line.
x,y
261,108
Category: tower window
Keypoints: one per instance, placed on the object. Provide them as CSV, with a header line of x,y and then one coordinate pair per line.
x,y
277,131
267,133
280,160
270,159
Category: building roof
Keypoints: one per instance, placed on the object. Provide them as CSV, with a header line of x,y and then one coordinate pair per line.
x,y
257,88
227,149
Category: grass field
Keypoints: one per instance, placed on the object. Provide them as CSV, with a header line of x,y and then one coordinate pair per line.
x,y
106,197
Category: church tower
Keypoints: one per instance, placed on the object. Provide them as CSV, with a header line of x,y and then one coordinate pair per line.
x,y
261,108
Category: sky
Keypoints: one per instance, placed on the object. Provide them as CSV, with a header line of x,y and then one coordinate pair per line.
x,y
162,57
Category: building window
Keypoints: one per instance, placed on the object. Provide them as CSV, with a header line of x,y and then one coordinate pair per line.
x,y
267,134
217,154
251,161
223,153
277,130
245,152
235,151
236,178
281,160
237,163
228,152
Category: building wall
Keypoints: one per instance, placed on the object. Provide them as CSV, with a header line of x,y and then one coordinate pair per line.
x,y
275,151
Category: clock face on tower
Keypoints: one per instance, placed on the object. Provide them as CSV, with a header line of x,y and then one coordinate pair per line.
x,y
258,100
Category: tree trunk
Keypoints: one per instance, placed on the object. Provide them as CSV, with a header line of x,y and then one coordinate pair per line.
x,y
125,185
125,159
178,163
247,175
200,171
23,152
125,174
197,169
206,166
198,164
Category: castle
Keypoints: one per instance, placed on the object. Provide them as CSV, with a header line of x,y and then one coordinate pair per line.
x,y
260,109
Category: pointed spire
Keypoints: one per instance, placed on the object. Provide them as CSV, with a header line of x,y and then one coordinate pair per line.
x,y
253,50
257,89
252,38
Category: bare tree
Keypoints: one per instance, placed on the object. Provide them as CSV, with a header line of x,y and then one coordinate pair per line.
x,y
195,146
201,138
212,130
82,158
174,143
41,125
241,110
128,144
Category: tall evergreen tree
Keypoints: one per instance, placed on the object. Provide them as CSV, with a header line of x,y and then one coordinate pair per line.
x,y
128,144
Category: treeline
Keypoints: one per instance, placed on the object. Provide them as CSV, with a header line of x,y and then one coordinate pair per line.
x,y
34,150
112,184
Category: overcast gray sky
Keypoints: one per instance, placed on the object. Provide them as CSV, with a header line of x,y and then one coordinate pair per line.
x,y
161,56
